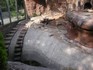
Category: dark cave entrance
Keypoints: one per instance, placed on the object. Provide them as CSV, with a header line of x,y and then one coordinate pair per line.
x,y
87,5
41,2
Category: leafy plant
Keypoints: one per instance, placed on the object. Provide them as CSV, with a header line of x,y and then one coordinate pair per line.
x,y
3,55
3,4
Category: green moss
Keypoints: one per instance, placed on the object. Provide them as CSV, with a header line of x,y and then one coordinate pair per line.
x,y
3,55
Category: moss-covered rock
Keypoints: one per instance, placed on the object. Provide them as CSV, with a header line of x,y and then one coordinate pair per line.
x,y
3,54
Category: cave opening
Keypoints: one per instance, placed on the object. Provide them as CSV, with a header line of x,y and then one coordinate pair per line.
x,y
41,2
87,5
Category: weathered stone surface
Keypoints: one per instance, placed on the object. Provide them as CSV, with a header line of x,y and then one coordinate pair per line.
x,y
33,7
41,6
83,20
83,27
38,7
21,66
49,47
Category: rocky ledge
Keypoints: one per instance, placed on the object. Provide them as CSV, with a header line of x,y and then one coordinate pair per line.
x,y
22,66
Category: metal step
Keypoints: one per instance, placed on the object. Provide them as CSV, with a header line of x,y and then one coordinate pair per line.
x,y
18,46
23,32
19,42
18,50
14,28
20,39
13,31
21,36
7,42
9,35
7,38
17,54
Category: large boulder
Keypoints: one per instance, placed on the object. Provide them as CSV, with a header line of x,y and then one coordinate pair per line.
x,y
83,20
50,48
83,24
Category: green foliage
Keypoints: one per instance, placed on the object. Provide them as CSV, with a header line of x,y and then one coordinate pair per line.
x,y
3,4
21,13
20,4
13,13
12,4
3,55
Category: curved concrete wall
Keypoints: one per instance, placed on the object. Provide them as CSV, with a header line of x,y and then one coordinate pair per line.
x,y
53,51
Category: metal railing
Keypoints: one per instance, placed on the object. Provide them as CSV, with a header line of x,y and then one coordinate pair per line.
x,y
17,17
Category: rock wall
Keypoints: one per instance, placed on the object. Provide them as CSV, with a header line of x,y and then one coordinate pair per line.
x,y
33,7
38,7
78,5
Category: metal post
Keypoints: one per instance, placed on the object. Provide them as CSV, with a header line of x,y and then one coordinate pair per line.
x,y
26,16
2,22
8,7
16,5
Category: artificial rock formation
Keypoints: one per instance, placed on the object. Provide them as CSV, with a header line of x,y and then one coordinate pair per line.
x,y
22,66
48,46
38,7
83,23
83,20
33,7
